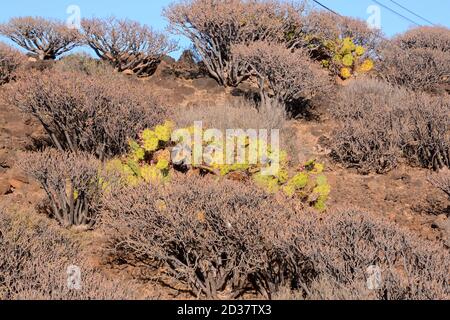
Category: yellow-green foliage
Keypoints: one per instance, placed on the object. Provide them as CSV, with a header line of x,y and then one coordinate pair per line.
x,y
310,185
149,160
343,56
141,164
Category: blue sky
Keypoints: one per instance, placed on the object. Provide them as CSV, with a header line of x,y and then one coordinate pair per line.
x,y
149,11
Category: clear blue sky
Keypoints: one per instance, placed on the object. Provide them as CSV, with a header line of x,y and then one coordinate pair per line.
x,y
149,11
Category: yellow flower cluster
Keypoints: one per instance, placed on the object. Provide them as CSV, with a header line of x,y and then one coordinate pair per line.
x,y
366,66
151,139
346,56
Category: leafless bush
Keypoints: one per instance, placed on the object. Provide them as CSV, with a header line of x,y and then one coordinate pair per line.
x,y
381,123
242,114
81,62
34,259
45,39
96,114
288,77
127,45
214,26
442,181
416,68
222,239
71,182
369,136
210,236
435,38
343,245
10,61
425,131
237,113
418,59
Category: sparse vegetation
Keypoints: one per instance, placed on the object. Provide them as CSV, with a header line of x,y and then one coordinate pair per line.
x,y
10,61
96,114
207,238
127,45
289,78
215,26
43,39
277,248
380,124
82,62
71,182
342,246
35,257
116,175
418,59
442,181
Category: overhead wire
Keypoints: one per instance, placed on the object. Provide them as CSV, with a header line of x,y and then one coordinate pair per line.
x,y
395,12
412,12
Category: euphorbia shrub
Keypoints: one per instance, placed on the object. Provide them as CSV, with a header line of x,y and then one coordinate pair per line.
x,y
418,59
95,114
10,61
42,38
127,45
161,152
214,26
71,182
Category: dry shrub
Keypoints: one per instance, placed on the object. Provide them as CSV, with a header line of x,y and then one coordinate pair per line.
x,y
71,182
425,139
288,77
34,261
322,25
343,245
435,38
127,45
214,26
417,69
210,236
442,181
44,39
222,239
380,124
418,59
242,114
84,63
96,114
369,136
10,61
234,114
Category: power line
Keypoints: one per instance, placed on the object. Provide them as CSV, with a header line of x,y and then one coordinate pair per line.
x,y
412,12
395,12
324,6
